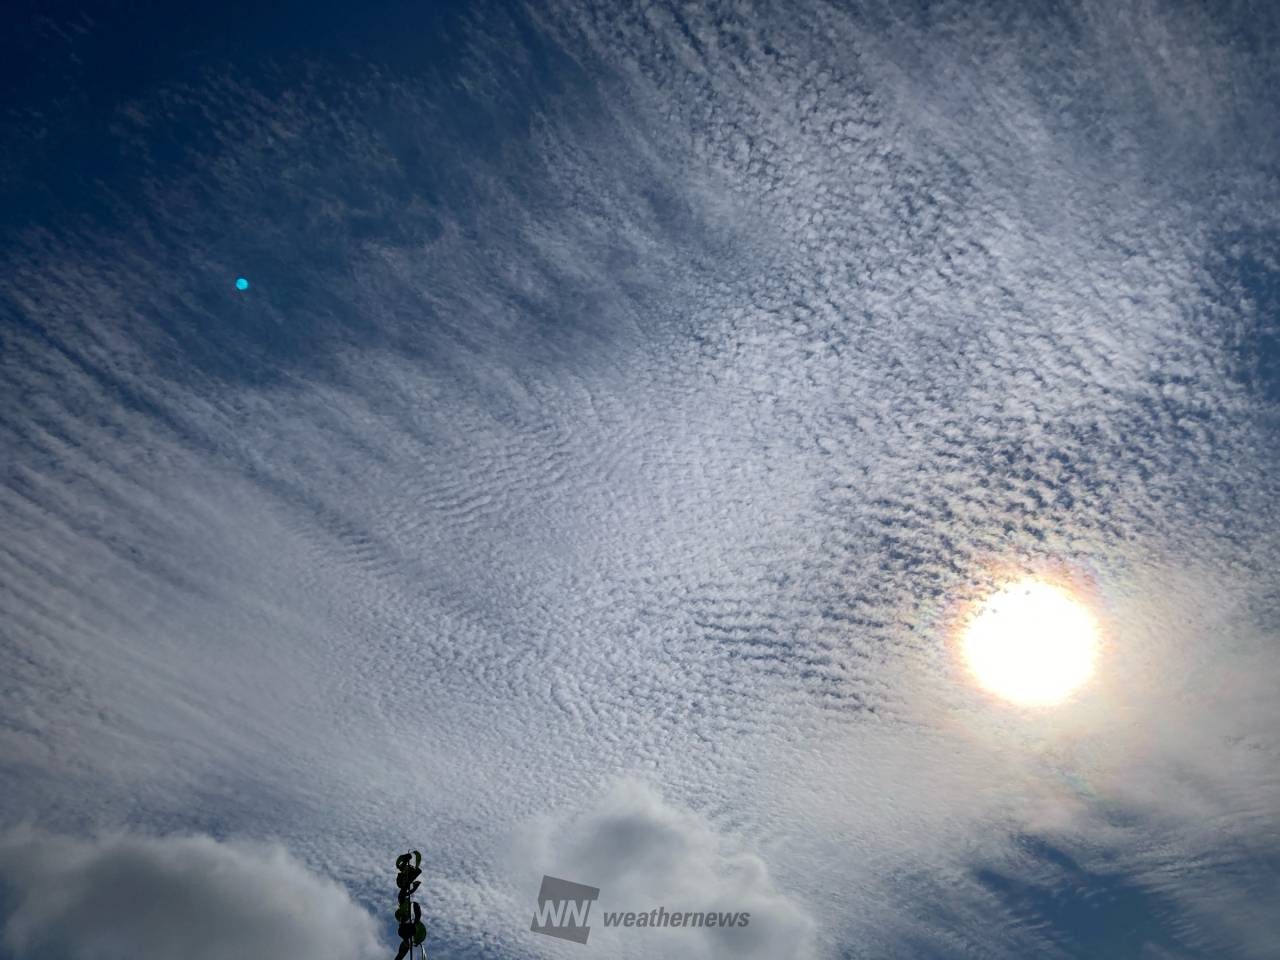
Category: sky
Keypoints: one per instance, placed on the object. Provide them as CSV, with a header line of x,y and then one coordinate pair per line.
x,y
626,401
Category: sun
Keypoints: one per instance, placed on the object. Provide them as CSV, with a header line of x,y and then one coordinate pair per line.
x,y
1031,643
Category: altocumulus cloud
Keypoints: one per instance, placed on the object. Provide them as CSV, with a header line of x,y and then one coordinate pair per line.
x,y
152,898
656,442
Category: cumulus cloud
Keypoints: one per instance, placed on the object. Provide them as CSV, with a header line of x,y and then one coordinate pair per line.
x,y
644,852
126,896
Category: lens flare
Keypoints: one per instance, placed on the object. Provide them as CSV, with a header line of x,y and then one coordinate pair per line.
x,y
1031,643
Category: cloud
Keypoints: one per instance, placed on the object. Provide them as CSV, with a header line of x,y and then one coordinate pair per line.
x,y
132,897
644,852
659,441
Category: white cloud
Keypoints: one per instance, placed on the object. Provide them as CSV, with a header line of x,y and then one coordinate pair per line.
x,y
644,852
660,445
133,897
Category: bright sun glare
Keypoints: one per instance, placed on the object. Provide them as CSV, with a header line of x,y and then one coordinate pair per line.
x,y
1031,643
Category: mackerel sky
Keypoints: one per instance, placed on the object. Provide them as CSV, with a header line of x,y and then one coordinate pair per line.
x,y
623,399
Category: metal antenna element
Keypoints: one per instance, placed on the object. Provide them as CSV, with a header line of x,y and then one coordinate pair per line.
x,y
413,932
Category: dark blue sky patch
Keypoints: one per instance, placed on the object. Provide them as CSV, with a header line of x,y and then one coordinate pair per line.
x,y
1089,914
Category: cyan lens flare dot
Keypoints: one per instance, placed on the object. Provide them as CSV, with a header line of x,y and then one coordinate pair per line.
x,y
242,284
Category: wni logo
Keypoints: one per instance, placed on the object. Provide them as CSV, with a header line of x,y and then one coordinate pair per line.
x,y
562,909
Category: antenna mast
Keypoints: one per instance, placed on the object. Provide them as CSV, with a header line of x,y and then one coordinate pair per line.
x,y
413,932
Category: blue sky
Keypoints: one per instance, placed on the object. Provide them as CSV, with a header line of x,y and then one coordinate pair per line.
x,y
624,401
